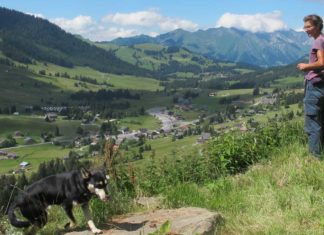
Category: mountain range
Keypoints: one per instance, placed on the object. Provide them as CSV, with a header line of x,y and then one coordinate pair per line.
x,y
27,38
231,44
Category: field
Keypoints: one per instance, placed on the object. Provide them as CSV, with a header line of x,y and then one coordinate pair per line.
x,y
135,123
32,88
33,126
34,155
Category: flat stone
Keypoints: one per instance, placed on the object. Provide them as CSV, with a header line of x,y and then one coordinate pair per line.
x,y
186,221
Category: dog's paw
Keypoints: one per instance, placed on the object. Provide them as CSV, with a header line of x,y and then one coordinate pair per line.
x,y
96,231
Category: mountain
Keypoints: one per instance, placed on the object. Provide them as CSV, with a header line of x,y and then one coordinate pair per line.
x,y
230,44
25,38
174,62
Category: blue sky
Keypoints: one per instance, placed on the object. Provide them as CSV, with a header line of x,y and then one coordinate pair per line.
x,y
104,20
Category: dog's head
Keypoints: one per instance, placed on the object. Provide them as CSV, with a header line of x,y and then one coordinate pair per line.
x,y
97,183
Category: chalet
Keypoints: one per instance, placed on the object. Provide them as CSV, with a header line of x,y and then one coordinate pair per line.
x,y
12,156
124,130
143,130
203,138
18,134
24,164
29,140
3,153
50,116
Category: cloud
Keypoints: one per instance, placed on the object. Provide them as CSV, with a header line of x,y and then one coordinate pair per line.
x,y
111,26
140,18
39,15
111,33
150,18
268,22
78,25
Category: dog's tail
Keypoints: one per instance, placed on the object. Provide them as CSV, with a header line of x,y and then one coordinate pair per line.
x,y
13,218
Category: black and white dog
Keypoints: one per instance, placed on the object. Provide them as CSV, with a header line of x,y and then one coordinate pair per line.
x,y
66,189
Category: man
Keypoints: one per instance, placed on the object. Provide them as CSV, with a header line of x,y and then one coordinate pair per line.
x,y
314,85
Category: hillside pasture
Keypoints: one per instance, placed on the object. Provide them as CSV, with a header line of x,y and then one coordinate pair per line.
x,y
135,123
289,81
117,81
33,155
33,126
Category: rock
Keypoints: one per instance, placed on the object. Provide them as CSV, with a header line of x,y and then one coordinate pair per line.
x,y
186,221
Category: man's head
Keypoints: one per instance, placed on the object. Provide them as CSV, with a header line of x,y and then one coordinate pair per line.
x,y
313,23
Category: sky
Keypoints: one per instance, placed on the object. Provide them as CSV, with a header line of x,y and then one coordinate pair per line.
x,y
105,20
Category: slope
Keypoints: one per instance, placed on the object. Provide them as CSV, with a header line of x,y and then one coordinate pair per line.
x,y
26,38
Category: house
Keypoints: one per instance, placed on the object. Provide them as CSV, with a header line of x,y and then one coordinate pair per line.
x,y
18,134
12,156
203,138
3,153
29,140
50,116
125,130
24,164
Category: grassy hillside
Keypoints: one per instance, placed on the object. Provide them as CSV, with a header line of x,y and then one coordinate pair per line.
x,y
279,195
23,86
172,62
26,38
34,155
282,195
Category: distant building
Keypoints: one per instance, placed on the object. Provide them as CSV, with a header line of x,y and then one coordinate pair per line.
x,y
24,164
50,116
203,138
29,140
12,156
18,134
3,153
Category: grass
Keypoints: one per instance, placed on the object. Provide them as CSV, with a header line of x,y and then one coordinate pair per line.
x,y
281,196
289,82
34,155
33,126
135,123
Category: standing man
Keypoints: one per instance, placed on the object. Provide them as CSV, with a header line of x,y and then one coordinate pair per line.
x,y
314,85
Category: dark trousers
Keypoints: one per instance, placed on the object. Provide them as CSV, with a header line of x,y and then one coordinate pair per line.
x,y
314,116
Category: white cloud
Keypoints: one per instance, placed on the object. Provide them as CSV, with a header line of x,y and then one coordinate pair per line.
x,y
268,22
172,24
150,18
79,25
109,27
39,15
111,33
140,18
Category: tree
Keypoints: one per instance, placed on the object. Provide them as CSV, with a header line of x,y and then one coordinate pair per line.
x,y
256,91
79,130
57,131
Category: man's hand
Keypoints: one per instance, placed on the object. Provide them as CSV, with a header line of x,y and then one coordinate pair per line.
x,y
302,66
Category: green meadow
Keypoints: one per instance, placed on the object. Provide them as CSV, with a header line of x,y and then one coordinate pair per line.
x,y
135,123
35,155
35,125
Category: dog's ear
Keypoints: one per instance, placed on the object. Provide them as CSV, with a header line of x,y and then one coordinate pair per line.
x,y
85,173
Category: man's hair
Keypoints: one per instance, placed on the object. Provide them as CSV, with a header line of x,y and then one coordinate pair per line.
x,y
315,20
